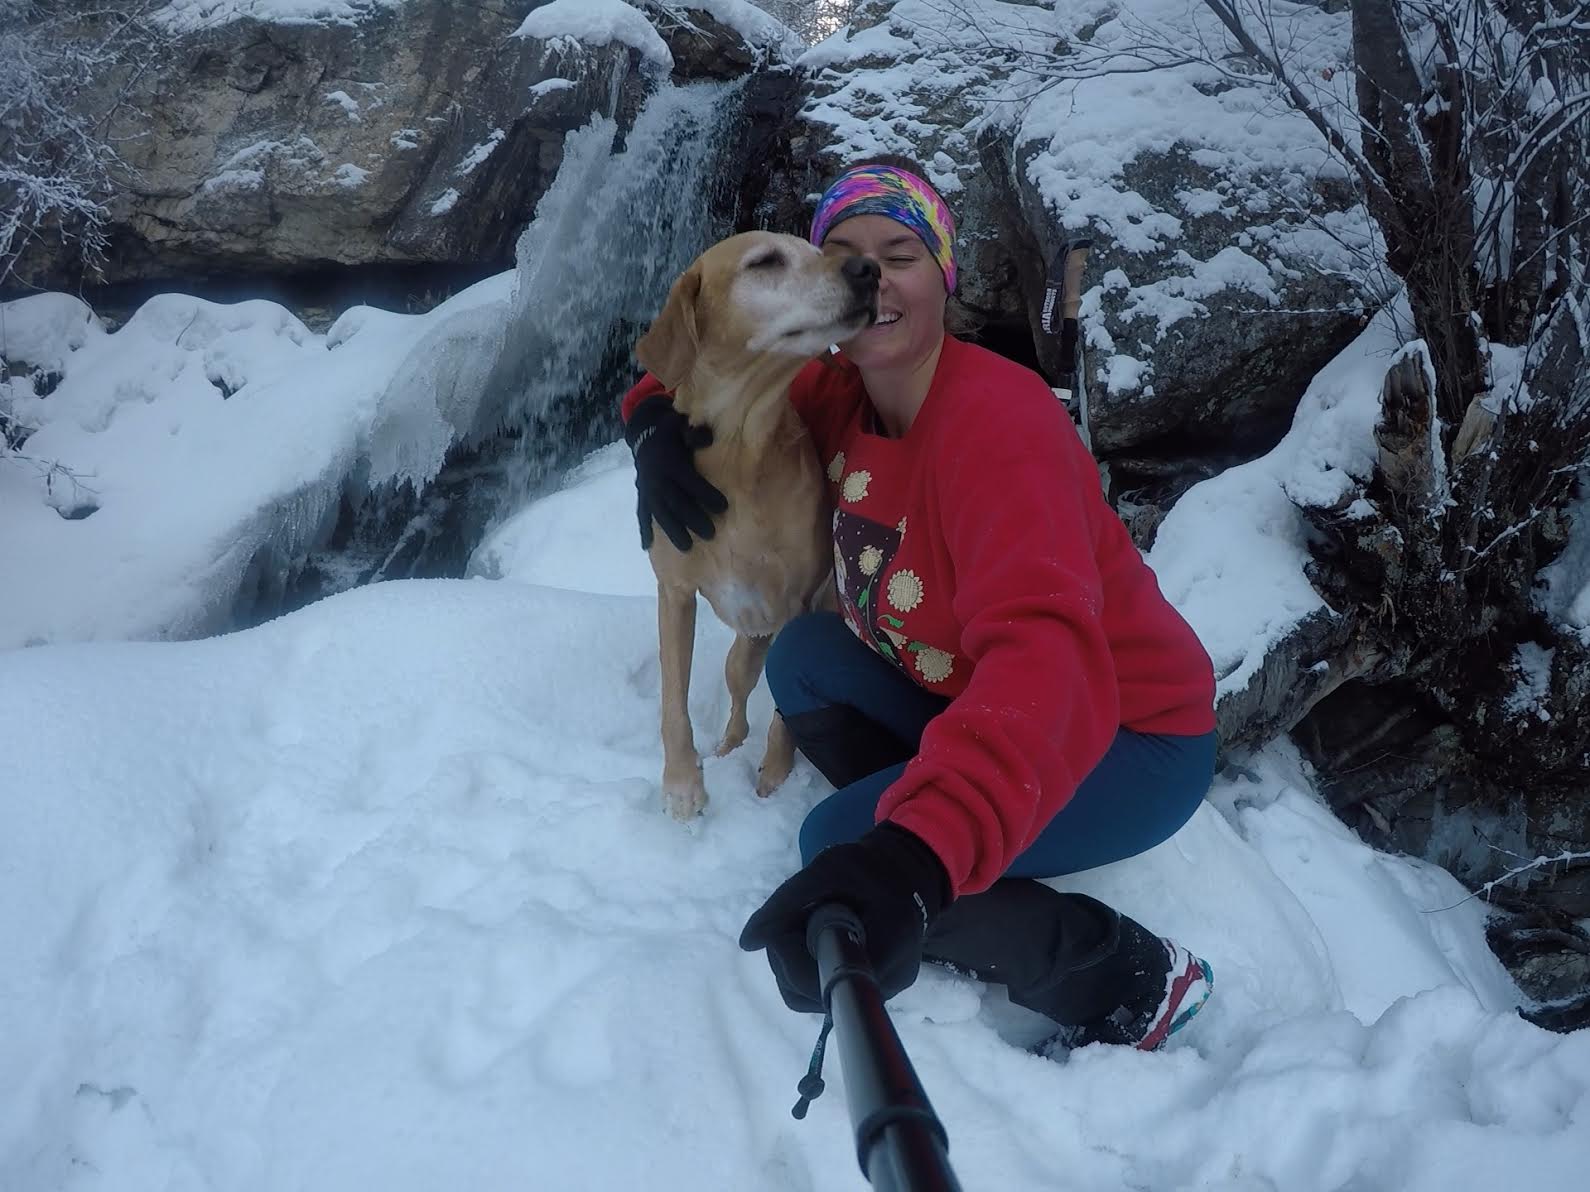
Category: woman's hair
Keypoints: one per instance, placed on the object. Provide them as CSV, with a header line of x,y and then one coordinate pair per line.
x,y
896,161
958,320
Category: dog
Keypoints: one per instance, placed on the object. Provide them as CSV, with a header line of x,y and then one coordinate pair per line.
x,y
738,324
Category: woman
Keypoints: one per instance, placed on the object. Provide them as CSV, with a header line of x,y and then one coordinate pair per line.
x,y
1005,694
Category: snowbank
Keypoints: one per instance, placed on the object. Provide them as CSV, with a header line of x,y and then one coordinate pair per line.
x,y
201,440
381,895
1230,554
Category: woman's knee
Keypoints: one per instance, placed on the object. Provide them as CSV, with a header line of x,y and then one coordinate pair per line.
x,y
847,814
818,830
797,651
838,819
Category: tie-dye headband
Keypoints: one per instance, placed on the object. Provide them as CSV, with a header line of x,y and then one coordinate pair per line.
x,y
898,194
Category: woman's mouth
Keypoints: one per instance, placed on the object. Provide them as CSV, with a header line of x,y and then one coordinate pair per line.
x,y
887,318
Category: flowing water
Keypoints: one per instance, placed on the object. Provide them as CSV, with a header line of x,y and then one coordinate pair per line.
x,y
494,403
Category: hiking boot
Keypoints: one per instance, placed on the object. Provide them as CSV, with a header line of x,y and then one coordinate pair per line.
x,y
1188,982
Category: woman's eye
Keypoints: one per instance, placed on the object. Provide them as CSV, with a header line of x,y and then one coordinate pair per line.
x,y
769,261
902,260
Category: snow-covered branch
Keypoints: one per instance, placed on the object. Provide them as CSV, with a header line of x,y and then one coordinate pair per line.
x,y
58,163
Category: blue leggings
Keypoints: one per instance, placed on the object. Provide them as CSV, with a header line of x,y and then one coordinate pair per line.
x,y
1146,786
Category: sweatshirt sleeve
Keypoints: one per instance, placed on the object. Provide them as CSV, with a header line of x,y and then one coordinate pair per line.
x,y
647,386
1042,705
806,394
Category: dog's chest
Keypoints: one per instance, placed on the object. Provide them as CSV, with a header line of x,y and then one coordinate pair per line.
x,y
771,551
749,609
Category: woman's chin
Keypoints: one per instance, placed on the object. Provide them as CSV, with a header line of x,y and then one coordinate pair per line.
x,y
876,346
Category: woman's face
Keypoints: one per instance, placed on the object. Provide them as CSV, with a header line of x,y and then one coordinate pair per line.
x,y
911,293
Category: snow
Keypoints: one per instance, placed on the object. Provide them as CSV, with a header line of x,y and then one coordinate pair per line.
x,y
547,86
594,22
1230,553
45,329
1565,585
480,153
210,438
597,23
527,546
188,15
934,71
445,201
185,16
234,180
201,451
1533,664
381,894
246,168
347,103
758,28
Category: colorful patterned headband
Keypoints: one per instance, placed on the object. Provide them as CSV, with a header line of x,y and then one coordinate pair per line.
x,y
898,194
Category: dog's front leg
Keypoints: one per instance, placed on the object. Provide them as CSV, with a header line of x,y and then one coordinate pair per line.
x,y
684,793
741,670
778,760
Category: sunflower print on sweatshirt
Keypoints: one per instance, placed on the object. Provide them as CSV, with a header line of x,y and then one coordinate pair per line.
x,y
873,600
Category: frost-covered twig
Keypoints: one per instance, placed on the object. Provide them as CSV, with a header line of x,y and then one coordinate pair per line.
x,y
59,164
1564,857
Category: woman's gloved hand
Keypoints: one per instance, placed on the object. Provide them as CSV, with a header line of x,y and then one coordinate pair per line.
x,y
668,488
890,878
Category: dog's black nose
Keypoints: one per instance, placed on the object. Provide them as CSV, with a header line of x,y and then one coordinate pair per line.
x,y
860,271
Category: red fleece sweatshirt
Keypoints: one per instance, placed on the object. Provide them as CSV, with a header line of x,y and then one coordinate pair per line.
x,y
979,555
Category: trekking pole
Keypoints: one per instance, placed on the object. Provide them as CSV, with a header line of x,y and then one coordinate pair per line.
x,y
1062,305
900,1142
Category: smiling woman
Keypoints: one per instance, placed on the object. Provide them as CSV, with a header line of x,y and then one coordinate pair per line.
x,y
1003,693
957,319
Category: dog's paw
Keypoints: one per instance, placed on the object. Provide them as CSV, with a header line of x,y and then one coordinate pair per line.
x,y
771,776
778,760
685,800
731,741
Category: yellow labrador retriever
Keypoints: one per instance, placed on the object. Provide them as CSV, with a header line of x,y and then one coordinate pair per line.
x,y
738,325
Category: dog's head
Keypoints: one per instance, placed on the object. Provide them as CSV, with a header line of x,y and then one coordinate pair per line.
x,y
756,294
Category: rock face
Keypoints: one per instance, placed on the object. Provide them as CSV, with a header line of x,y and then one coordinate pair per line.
x,y
423,134
1199,313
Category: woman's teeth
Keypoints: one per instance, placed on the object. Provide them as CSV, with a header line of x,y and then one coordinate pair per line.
x,y
885,319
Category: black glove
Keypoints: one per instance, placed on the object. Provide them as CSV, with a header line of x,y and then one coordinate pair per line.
x,y
668,487
893,882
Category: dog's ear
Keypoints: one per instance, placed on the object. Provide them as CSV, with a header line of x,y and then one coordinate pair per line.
x,y
668,350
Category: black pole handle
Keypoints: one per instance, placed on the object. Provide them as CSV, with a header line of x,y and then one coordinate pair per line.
x,y
900,1142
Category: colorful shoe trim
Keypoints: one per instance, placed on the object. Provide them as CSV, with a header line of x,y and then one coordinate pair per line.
x,y
1187,988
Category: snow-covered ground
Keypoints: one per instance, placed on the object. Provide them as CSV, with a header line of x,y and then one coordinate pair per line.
x,y
381,895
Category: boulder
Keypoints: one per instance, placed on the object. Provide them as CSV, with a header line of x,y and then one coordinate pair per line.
x,y
421,134
1211,299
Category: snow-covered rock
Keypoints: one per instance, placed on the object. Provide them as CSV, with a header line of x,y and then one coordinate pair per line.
x,y
1219,278
276,137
